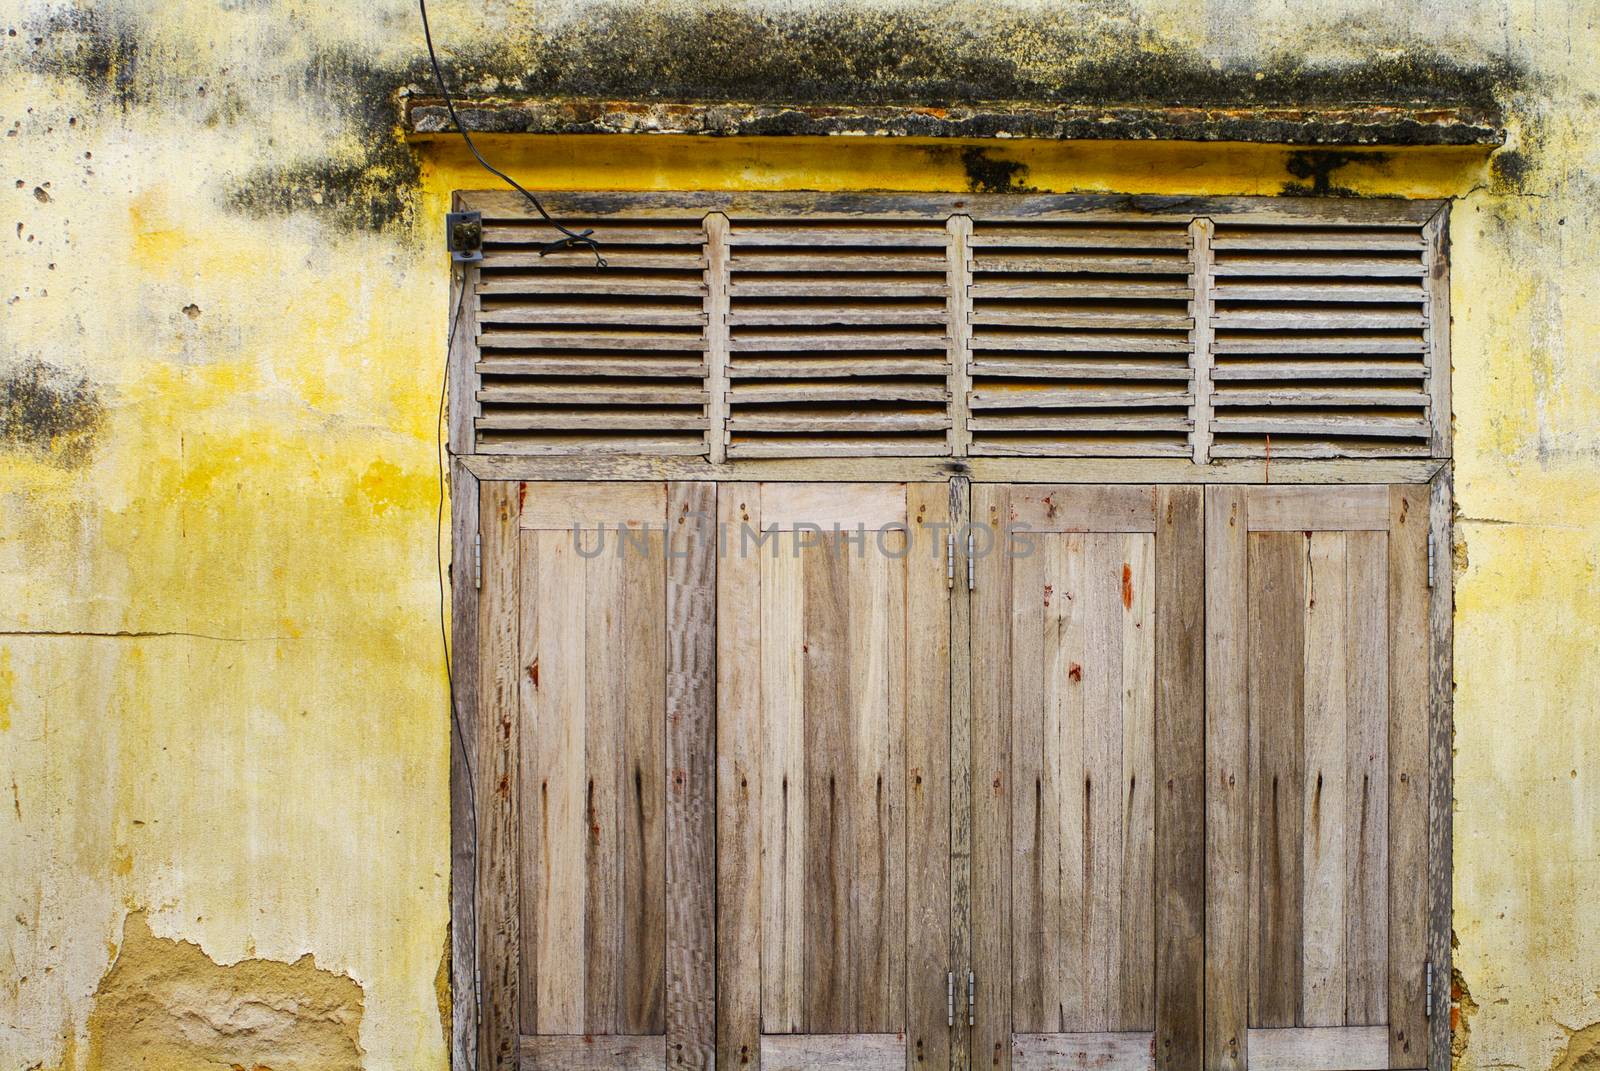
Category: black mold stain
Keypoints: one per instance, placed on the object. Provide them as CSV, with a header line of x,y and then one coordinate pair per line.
x,y
987,173
46,409
97,48
1318,166
1508,171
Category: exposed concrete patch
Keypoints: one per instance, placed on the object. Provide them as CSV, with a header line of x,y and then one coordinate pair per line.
x,y
166,1004
1462,1009
47,410
1582,1052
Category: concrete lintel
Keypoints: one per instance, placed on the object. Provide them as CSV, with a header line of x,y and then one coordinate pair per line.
x,y
1355,125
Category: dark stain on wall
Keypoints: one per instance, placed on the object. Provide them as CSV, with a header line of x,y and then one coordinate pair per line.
x,y
1314,168
48,410
1508,171
96,47
988,173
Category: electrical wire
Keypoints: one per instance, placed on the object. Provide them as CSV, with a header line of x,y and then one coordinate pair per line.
x,y
459,735
571,239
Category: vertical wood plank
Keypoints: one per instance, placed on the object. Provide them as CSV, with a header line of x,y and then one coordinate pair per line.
x,y
873,806
716,304
1029,882
1180,731
555,716
783,812
1322,960
1064,702
990,1036
1437,235
1200,337
959,310
691,660
497,734
605,692
643,792
463,714
1277,662
960,513
1441,687
831,974
1102,784
927,644
891,793
1408,773
1137,938
739,789
1367,780
462,357
1227,791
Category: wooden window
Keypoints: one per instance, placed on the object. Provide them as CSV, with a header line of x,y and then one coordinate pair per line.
x,y
783,325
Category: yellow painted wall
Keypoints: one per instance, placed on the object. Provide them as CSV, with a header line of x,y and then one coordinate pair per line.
x,y
223,737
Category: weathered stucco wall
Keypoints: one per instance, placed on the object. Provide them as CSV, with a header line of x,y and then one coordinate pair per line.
x,y
223,738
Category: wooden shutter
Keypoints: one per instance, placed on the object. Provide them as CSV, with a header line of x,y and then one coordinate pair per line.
x,y
573,358
1081,338
1087,767
1317,741
833,795
772,325
594,780
1323,339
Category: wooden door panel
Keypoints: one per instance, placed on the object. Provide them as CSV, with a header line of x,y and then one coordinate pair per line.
x,y
1317,726
833,656
1090,809
599,671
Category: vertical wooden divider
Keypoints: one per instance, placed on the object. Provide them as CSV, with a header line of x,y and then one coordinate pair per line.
x,y
959,305
1180,818
1227,784
1441,688
960,514
717,282
1200,337
1437,280
463,715
691,661
990,846
497,733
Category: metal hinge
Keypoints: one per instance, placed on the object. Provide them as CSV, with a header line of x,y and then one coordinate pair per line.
x,y
969,562
949,560
1430,559
950,999
1427,986
972,997
477,560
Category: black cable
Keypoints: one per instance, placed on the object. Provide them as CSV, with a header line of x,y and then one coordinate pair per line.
x,y
572,238
444,639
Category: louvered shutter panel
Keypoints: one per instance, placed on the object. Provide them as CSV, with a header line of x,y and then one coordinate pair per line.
x,y
574,358
756,326
837,337
1081,338
1320,341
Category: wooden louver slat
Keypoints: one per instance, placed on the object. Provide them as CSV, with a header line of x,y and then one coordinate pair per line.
x,y
774,326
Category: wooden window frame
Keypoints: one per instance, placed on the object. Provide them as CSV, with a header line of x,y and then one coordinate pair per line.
x,y
471,984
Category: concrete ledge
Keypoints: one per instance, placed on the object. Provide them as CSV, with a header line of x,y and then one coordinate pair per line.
x,y
1357,125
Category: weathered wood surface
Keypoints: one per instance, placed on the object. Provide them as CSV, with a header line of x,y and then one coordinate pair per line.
x,y
1297,509
463,697
587,1052
960,500
1096,1051
1338,1048
1441,690
833,1052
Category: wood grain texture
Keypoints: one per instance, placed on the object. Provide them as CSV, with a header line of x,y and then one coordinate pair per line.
x,y
561,506
1276,660
1409,703
587,1052
1367,780
1323,963
461,376
1228,895
739,791
1321,509
1339,1048
1180,778
463,763
1441,730
783,805
1033,990
990,1036
716,305
690,701
496,734
1437,283
1201,311
960,499
833,1052
927,779
787,505
959,316
1084,509
1136,941
1102,782
1100,1051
